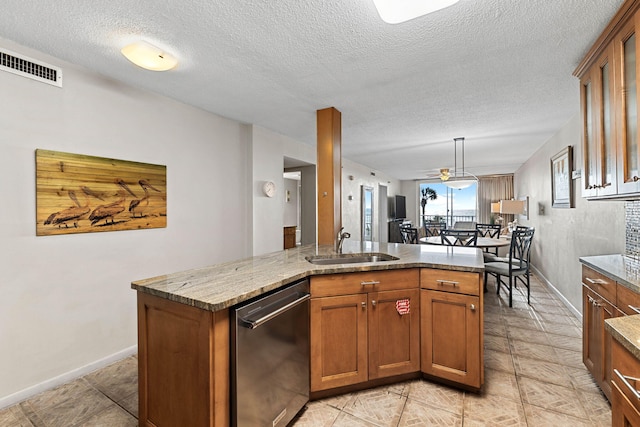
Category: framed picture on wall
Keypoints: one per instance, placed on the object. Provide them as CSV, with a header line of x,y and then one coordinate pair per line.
x,y
561,188
525,212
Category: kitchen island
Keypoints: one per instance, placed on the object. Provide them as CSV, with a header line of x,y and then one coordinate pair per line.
x,y
183,321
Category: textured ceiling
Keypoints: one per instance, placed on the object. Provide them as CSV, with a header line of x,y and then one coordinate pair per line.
x,y
497,72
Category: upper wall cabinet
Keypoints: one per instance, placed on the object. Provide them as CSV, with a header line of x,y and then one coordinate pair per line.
x,y
609,104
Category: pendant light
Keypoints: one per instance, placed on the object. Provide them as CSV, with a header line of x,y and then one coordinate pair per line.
x,y
459,179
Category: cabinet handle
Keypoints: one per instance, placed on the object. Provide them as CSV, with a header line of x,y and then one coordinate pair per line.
x,y
447,282
364,304
472,307
595,281
635,178
625,379
606,185
373,303
636,309
372,282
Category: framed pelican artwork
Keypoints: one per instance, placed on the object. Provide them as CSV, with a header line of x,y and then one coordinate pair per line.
x,y
85,194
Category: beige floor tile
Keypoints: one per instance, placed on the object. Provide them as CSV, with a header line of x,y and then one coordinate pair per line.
x,y
551,397
491,328
498,361
494,317
539,369
14,417
523,323
532,350
543,417
537,337
74,411
581,379
111,417
378,406
493,411
69,391
338,401
499,383
436,395
569,330
130,404
348,420
496,343
317,414
597,407
569,357
117,380
418,414
568,343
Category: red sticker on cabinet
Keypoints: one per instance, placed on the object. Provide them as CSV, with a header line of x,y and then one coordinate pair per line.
x,y
403,306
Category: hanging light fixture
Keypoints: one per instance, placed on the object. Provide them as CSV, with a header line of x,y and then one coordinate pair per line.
x,y
460,178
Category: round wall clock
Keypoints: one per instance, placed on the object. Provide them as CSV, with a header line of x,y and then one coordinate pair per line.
x,y
269,189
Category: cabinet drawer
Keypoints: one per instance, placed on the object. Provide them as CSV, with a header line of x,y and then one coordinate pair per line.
x,y
459,282
599,283
627,365
362,282
627,300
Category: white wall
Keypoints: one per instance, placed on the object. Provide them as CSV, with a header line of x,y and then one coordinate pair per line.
x,y
66,304
564,235
362,175
290,206
268,152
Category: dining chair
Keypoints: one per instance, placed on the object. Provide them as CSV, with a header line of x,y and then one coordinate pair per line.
x,y
515,266
433,228
492,231
409,235
452,237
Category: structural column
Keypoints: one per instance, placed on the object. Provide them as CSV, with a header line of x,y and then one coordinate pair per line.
x,y
329,162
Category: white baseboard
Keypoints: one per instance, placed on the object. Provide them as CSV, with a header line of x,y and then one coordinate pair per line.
x,y
28,392
565,301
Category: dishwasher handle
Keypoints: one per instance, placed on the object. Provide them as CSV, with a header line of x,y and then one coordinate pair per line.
x,y
252,324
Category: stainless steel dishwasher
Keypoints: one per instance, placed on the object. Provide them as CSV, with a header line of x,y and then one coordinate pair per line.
x,y
270,358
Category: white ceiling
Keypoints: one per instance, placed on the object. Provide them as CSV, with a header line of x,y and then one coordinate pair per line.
x,y
498,72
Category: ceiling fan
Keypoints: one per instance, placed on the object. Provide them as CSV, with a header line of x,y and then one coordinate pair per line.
x,y
456,178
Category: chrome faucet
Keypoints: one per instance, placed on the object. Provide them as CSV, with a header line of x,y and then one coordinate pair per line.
x,y
340,239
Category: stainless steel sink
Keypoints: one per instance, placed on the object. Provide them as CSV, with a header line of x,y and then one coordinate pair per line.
x,y
350,258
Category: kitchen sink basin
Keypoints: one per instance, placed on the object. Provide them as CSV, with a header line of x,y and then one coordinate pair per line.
x,y
350,258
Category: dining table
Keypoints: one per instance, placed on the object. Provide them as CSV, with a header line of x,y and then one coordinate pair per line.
x,y
483,242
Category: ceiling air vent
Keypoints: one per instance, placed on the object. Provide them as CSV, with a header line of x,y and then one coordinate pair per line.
x,y
30,68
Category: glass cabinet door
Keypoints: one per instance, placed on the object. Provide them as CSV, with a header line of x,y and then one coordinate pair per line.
x,y
599,151
628,175
605,125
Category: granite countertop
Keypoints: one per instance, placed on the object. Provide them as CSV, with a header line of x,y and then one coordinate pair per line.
x,y
621,268
626,330
221,286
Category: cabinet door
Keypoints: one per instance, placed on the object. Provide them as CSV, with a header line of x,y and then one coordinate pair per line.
x,y
450,329
623,414
394,337
338,341
591,336
599,149
625,45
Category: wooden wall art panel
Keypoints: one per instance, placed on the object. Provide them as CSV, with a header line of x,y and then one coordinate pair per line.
x,y
85,194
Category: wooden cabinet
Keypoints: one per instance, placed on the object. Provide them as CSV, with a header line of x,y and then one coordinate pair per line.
x,y
358,331
451,326
599,150
599,297
183,364
625,406
596,342
289,237
609,103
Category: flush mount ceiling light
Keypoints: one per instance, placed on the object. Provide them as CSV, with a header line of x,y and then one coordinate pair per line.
x,y
149,57
397,11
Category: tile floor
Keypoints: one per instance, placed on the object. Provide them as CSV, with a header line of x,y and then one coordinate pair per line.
x,y
534,376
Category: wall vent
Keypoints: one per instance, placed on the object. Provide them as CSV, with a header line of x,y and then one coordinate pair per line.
x,y
30,68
